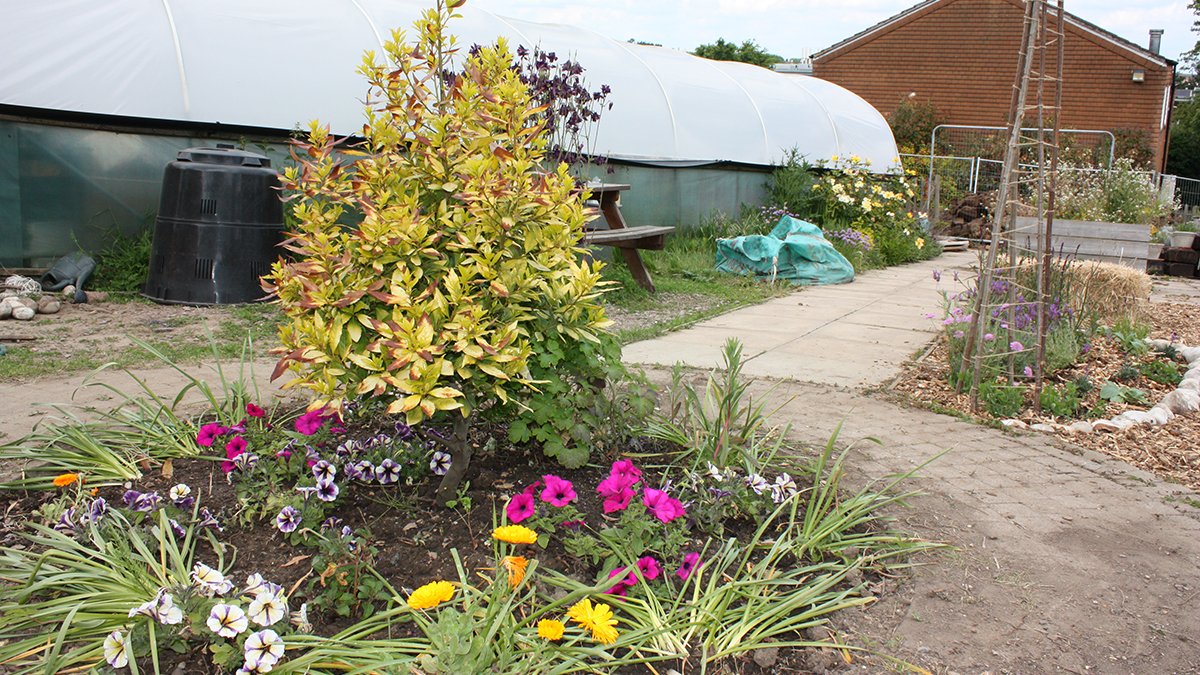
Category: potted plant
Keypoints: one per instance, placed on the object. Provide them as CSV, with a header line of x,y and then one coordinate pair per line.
x,y
1183,235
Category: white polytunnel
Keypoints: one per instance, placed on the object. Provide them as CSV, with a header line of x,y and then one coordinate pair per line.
x,y
275,64
96,98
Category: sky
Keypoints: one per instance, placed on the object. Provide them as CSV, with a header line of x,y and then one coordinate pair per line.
x,y
797,28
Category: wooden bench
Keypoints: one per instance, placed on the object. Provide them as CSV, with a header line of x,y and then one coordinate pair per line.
x,y
628,240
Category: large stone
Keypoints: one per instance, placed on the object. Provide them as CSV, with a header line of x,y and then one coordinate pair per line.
x,y
1192,384
1160,414
1158,344
1013,424
23,313
1190,354
48,304
1081,427
1181,401
1135,416
1113,425
1045,428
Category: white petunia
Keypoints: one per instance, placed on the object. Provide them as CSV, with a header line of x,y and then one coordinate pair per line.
x,y
783,488
757,483
227,620
209,581
263,650
714,473
179,492
267,609
256,585
115,651
167,612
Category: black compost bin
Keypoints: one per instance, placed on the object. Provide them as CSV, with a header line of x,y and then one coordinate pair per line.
x,y
218,229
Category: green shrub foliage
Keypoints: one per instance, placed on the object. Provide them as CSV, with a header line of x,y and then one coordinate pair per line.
x,y
460,270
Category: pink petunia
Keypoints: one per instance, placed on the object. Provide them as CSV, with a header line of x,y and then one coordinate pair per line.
x,y
621,586
625,472
558,491
619,501
649,567
236,446
613,485
255,411
208,434
520,507
690,562
663,506
533,487
310,422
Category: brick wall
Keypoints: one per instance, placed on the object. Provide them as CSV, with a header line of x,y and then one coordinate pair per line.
x,y
962,56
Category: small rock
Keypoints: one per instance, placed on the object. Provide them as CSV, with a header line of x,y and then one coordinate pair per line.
x,y
1013,424
1158,344
1190,354
1161,414
1181,401
766,657
26,302
68,291
1135,416
96,296
1081,427
48,305
1046,428
1192,384
23,313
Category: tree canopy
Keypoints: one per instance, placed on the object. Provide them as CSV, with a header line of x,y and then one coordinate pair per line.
x,y
1183,157
747,52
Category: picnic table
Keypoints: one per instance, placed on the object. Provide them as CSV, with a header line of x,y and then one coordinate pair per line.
x,y
628,240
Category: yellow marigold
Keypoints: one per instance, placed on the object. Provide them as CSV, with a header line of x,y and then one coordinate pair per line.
x,y
431,595
515,534
598,619
515,566
63,480
920,242
551,629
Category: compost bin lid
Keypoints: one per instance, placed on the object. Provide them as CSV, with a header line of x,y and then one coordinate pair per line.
x,y
222,154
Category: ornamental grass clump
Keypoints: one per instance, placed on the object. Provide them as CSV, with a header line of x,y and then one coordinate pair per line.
x,y
435,262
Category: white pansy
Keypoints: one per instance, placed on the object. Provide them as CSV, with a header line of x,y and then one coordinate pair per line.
x,y
115,651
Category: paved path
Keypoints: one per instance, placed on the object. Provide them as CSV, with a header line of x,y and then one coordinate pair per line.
x,y
1067,561
850,335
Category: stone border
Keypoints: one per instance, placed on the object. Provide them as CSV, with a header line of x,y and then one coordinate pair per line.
x,y
1184,400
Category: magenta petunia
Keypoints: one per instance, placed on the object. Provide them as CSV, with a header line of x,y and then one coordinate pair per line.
x,y
649,567
255,411
624,583
663,506
235,447
619,501
558,491
625,472
690,562
520,507
613,485
208,434
310,422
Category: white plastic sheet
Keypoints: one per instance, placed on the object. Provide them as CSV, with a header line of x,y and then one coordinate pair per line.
x,y
278,64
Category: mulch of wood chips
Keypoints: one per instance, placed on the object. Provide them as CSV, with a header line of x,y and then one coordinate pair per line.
x,y
1171,451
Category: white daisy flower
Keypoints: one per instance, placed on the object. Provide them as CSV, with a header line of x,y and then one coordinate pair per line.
x,y
267,609
227,620
115,651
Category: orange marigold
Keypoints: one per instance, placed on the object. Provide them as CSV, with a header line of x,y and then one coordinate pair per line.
x,y
63,480
515,566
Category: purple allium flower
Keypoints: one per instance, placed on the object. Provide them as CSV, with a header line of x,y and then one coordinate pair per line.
x,y
440,463
327,491
988,337
387,472
288,519
324,472
1028,371
1016,346
958,334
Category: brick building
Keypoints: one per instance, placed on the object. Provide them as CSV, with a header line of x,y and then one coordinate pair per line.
x,y
961,55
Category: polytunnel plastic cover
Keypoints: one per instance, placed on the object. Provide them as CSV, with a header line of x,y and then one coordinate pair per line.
x,y
276,64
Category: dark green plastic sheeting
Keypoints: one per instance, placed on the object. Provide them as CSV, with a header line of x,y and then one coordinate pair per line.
x,y
794,250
